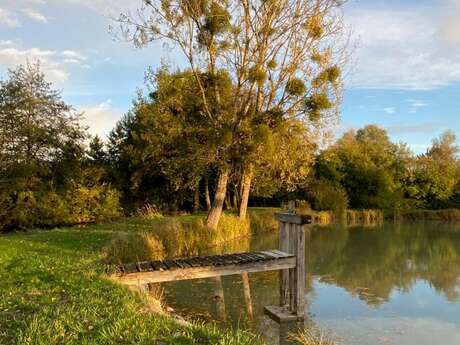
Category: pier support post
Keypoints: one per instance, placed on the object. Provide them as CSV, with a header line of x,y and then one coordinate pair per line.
x,y
247,294
292,281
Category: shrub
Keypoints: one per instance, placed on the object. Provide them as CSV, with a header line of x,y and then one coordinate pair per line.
x,y
326,196
37,208
262,221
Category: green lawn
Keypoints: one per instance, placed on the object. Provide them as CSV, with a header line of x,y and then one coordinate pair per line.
x,y
53,291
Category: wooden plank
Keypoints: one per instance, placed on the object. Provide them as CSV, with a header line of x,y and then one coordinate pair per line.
x,y
291,218
280,314
300,272
270,254
130,268
145,266
156,266
161,266
171,264
242,259
283,254
293,271
181,264
262,256
284,274
205,272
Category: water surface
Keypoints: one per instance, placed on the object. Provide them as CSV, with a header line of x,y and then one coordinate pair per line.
x,y
389,284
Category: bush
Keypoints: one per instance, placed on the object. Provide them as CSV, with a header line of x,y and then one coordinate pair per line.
x,y
325,196
79,204
262,221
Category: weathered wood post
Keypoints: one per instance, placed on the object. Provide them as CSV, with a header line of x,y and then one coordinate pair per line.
x,y
247,294
291,281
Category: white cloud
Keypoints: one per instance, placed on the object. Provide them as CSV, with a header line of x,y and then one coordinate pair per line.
x,y
424,127
8,19
101,118
53,63
416,104
6,43
389,110
415,48
34,14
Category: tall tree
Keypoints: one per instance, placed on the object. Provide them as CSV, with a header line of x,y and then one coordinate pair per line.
x,y
40,135
282,57
436,172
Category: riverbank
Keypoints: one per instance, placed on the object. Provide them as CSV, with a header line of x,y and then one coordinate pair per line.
x,y
54,291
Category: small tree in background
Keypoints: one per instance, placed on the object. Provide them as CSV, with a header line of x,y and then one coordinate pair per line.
x,y
43,178
40,135
283,58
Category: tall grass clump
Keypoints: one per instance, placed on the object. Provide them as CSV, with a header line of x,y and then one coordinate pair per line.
x,y
184,238
175,237
148,211
313,336
446,215
130,247
262,220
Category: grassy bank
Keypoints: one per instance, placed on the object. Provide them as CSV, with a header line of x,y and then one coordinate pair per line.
x,y
446,215
53,291
163,237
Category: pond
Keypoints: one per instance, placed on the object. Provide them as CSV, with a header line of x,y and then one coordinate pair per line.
x,y
389,284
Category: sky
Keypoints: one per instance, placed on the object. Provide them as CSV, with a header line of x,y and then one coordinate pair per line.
x,y
405,74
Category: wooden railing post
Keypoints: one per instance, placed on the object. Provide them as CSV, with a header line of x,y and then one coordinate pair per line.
x,y
284,232
291,281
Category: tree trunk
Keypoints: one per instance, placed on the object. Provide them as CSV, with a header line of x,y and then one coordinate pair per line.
x,y
228,204
206,193
235,198
196,198
216,210
245,189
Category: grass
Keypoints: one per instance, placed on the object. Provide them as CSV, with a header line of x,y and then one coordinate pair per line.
x,y
313,336
446,215
159,238
53,291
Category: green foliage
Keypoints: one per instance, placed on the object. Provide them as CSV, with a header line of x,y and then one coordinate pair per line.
x,y
377,173
54,291
330,74
436,174
315,104
46,179
325,196
257,75
79,204
295,87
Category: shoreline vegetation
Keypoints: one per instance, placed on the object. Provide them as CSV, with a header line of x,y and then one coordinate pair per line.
x,y
56,290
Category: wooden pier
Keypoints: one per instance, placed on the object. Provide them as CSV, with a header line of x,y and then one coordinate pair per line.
x,y
147,272
289,260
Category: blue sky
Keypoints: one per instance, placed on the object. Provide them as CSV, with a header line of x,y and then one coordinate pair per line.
x,y
405,75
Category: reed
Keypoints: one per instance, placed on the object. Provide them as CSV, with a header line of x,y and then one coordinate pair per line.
x,y
446,215
313,336
175,237
129,247
262,220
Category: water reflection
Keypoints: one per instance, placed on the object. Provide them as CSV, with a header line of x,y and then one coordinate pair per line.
x,y
381,285
370,264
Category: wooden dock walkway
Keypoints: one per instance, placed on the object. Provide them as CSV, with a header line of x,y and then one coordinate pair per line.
x,y
147,272
289,260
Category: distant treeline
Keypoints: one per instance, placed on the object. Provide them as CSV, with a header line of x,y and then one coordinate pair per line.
x,y
163,157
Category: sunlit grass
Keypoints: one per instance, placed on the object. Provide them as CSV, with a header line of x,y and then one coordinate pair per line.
x,y
54,291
